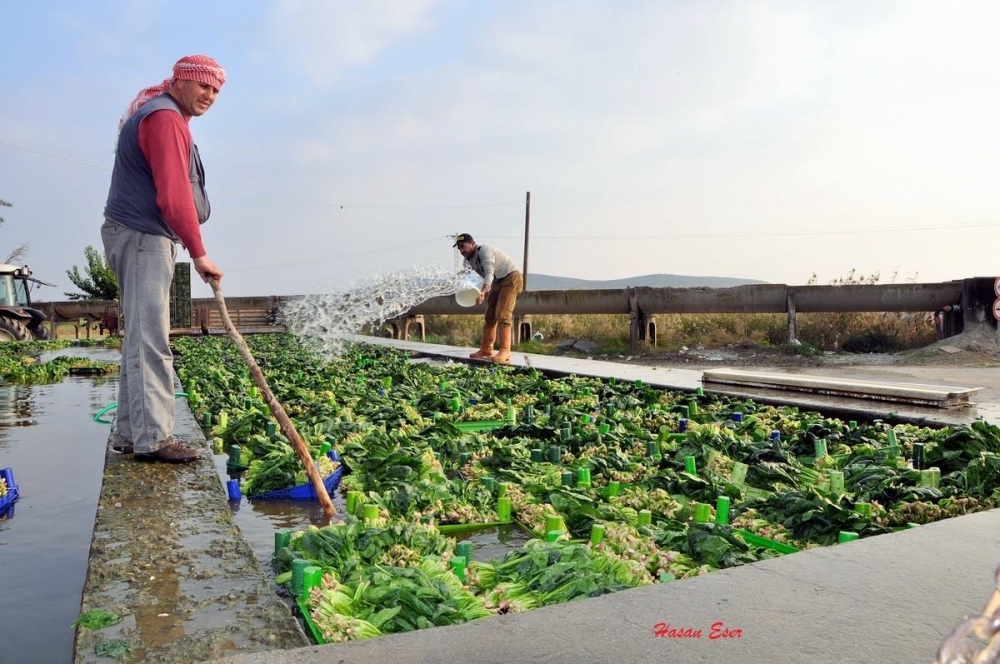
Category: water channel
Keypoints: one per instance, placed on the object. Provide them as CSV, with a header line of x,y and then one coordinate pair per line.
x,y
57,452
49,438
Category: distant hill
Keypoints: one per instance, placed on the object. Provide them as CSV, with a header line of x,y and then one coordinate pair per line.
x,y
549,282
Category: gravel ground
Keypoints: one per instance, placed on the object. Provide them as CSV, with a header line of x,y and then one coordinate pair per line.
x,y
969,359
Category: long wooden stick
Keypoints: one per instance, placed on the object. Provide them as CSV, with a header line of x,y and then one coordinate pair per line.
x,y
277,410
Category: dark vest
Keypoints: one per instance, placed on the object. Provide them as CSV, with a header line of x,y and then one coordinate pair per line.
x,y
132,198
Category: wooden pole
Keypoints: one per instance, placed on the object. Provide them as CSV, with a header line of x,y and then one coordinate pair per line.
x,y
527,220
277,410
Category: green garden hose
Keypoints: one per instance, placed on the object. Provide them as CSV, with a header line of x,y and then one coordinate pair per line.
x,y
97,417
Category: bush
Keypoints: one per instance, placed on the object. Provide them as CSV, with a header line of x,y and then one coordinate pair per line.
x,y
864,332
803,349
872,341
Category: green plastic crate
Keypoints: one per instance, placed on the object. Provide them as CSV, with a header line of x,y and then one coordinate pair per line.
x,y
757,540
307,618
479,425
469,527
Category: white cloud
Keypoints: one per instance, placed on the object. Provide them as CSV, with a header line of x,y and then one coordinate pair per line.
x,y
323,38
624,119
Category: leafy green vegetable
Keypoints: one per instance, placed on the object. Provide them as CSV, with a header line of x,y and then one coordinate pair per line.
x,y
96,619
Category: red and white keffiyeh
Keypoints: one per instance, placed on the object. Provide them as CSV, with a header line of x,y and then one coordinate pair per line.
x,y
199,68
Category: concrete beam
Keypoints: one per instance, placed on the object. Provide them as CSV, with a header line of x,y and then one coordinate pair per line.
x,y
940,396
877,297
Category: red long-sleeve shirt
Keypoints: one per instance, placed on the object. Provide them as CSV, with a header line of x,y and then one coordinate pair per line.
x,y
165,141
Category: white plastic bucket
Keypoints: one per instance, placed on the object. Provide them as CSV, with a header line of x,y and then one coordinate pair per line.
x,y
467,297
468,290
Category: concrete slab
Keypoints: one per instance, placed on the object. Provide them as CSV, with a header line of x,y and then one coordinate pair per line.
x,y
167,555
937,396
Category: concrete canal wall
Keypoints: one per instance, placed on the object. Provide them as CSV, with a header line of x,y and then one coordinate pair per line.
x,y
166,555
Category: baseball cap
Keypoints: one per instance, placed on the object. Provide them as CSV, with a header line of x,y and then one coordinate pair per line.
x,y
462,237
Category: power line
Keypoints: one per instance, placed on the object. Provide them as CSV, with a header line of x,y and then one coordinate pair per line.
x,y
54,156
342,206
326,259
345,206
603,238
748,234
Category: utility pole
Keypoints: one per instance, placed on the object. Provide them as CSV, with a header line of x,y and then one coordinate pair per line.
x,y
527,221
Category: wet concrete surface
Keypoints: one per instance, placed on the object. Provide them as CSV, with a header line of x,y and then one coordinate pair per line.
x,y
168,556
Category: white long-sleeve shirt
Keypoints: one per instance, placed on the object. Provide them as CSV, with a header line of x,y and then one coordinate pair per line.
x,y
490,263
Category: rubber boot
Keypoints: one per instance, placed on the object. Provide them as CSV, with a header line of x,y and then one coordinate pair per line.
x,y
485,351
503,355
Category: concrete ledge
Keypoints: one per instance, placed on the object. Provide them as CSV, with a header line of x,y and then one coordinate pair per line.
x,y
167,555
940,396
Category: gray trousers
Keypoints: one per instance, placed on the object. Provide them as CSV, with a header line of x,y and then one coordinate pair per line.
x,y
144,266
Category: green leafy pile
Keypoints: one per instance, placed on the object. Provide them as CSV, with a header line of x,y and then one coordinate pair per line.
x,y
543,573
403,432
381,580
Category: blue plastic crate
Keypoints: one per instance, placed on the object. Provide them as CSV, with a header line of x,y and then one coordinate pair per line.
x,y
306,491
7,500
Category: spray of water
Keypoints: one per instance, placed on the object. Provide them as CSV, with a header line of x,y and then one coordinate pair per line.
x,y
321,321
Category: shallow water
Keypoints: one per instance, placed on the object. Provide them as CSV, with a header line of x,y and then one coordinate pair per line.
x,y
259,519
489,544
57,455
57,452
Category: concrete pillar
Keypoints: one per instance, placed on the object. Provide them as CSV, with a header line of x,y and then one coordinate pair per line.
x,y
634,315
418,323
647,330
790,305
399,328
522,328
977,304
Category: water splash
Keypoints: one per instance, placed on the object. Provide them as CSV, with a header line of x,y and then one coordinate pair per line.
x,y
321,321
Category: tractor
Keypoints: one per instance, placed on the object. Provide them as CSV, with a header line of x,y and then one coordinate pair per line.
x,y
18,320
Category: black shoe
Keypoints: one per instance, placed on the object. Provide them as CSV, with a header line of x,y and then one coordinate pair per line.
x,y
121,445
174,452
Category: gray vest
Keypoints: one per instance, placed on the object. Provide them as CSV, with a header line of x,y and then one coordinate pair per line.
x,y
132,198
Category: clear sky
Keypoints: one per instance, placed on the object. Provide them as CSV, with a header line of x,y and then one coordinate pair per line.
x,y
763,140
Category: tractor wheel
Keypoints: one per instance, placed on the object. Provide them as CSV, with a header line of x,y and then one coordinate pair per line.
x,y
12,329
40,332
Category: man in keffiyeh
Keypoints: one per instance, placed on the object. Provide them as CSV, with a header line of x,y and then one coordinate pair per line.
x,y
157,199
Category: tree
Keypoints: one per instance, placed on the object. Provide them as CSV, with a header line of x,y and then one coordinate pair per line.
x,y
19,252
100,282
